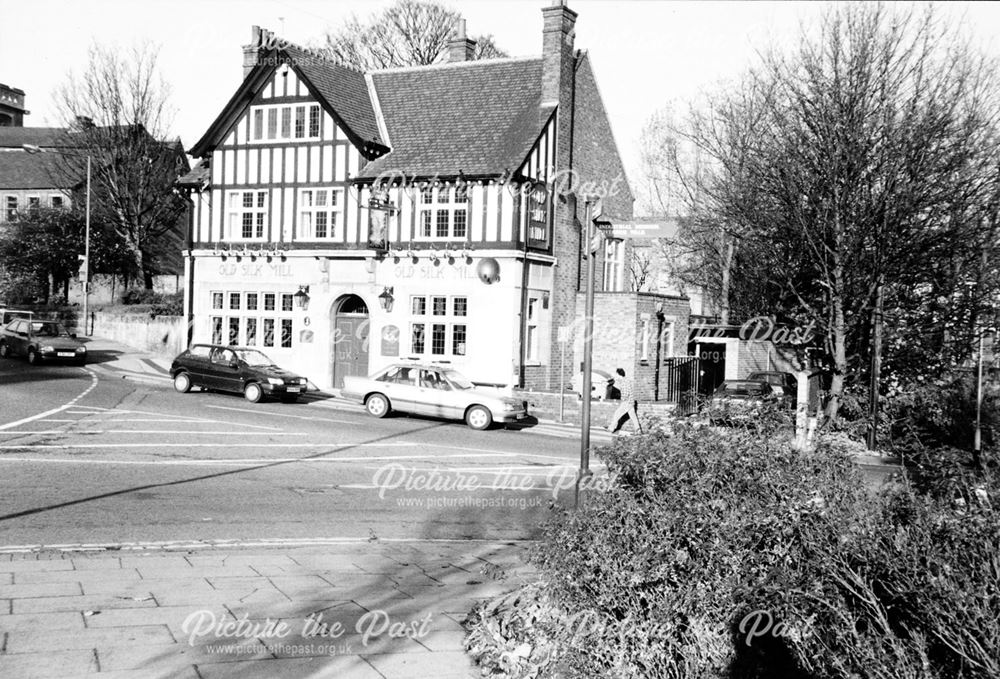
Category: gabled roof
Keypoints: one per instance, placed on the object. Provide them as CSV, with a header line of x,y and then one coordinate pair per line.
x,y
197,176
477,117
342,91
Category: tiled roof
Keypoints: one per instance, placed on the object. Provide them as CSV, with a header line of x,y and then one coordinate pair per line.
x,y
23,170
15,137
344,89
198,176
480,118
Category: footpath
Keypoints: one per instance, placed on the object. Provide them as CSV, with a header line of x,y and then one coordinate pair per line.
x,y
385,610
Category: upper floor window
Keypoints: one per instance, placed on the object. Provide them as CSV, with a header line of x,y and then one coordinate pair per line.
x,y
247,215
34,203
319,213
614,253
443,213
286,122
10,208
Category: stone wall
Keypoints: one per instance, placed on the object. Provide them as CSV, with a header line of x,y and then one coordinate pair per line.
x,y
164,335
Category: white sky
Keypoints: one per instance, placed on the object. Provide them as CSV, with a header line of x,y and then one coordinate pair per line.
x,y
645,53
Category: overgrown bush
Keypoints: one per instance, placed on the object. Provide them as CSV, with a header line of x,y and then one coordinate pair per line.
x,y
141,296
726,554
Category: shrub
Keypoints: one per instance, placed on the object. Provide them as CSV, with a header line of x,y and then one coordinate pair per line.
x,y
725,554
170,305
134,296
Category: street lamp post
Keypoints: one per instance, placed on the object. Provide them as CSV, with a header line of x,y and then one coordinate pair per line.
x,y
31,148
588,356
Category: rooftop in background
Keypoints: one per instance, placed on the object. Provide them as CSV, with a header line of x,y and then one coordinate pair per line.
x,y
45,137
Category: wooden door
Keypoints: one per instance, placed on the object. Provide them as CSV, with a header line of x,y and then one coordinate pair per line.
x,y
350,347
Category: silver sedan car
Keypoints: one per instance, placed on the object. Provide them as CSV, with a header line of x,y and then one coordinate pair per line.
x,y
435,390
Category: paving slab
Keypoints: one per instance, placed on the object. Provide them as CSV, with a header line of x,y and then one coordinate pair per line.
x,y
351,610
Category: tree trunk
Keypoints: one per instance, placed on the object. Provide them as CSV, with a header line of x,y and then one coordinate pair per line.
x,y
727,273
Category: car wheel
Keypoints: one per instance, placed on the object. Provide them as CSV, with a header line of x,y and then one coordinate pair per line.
x,y
182,383
4,350
253,392
33,357
377,405
479,418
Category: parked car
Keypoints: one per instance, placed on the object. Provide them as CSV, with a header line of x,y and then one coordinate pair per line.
x,y
785,385
235,369
431,389
737,401
8,315
601,385
41,341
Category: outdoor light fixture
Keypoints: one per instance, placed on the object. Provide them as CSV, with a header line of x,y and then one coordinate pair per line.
x,y
302,297
386,299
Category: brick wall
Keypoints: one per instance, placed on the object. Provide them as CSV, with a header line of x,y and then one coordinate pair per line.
x,y
618,335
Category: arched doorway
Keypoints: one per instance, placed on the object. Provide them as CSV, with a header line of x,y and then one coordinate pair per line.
x,y
349,338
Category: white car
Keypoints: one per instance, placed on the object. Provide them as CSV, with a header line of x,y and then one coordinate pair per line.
x,y
430,389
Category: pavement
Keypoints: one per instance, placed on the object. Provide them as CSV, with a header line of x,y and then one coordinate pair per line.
x,y
350,609
116,462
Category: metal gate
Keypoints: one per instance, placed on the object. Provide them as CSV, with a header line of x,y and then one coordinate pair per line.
x,y
681,376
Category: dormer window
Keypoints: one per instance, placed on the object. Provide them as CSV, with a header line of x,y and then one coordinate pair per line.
x,y
286,122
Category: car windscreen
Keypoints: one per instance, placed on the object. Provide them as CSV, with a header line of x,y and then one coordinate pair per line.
x,y
48,330
458,380
253,358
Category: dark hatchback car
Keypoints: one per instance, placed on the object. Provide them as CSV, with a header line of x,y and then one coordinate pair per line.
x,y
784,384
737,401
41,342
235,369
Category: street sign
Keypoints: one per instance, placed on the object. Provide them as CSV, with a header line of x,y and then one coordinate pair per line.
x,y
563,333
644,229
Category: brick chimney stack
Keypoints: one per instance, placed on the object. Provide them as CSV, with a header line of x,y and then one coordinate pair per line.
x,y
252,51
557,53
460,48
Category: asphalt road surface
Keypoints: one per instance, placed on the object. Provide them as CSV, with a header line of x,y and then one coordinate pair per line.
x,y
86,458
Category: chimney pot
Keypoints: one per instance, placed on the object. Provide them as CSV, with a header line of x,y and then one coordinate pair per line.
x,y
460,47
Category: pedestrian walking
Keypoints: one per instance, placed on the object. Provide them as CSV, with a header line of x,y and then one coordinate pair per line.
x,y
627,406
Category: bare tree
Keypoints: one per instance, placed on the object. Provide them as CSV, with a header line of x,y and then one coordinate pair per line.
x,y
407,33
116,112
864,160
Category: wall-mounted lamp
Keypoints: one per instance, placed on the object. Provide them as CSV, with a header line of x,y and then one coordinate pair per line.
x,y
302,297
386,299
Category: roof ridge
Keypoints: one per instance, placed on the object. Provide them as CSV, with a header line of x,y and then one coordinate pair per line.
x,y
457,64
272,41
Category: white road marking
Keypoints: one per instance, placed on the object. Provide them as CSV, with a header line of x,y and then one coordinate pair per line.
x,y
66,446
218,462
91,432
167,545
273,414
183,419
93,384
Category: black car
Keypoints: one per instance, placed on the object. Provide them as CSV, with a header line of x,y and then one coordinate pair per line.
x,y
235,369
737,401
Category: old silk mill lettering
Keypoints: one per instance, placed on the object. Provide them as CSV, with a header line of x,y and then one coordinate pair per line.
x,y
255,270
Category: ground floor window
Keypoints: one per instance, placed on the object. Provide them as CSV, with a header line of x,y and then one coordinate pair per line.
x,y
246,324
443,319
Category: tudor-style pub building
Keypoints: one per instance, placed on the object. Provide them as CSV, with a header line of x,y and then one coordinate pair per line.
x,y
343,220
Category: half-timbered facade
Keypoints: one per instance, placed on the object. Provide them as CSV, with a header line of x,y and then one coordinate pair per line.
x,y
344,220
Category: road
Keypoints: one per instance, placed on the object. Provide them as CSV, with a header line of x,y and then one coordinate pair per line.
x,y
89,458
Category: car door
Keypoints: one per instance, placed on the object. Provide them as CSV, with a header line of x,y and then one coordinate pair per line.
x,y
22,336
224,371
441,398
197,363
404,391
